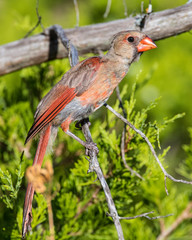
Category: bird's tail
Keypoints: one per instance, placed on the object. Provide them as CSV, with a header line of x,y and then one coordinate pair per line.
x,y
27,209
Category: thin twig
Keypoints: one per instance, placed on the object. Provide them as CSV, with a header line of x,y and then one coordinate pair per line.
x,y
146,216
50,216
142,7
108,7
123,156
38,15
125,8
150,8
38,22
123,137
165,182
186,214
150,146
90,202
76,12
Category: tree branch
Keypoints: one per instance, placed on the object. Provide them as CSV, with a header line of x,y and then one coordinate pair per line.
x,y
46,46
146,216
76,12
150,146
95,167
108,7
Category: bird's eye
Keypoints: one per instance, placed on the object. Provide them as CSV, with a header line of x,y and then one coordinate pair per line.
x,y
130,39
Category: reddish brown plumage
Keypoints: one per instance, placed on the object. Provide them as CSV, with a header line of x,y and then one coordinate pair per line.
x,y
81,91
51,112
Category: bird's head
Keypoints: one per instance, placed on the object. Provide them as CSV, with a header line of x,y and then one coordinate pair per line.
x,y
130,44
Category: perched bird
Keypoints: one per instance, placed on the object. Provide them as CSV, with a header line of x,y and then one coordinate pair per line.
x,y
81,91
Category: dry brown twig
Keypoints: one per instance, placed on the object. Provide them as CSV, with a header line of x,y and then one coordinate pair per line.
x,y
107,10
38,22
186,214
76,12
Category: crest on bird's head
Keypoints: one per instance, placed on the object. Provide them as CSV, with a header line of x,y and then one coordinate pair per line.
x,y
129,44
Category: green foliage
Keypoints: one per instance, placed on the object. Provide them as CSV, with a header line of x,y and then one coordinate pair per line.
x,y
79,205
9,192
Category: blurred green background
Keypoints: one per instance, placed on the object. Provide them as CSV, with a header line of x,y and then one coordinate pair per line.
x,y
164,73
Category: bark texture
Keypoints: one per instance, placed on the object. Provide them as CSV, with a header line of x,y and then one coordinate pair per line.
x,y
45,46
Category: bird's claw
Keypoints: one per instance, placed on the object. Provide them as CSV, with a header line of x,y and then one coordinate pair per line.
x,y
79,124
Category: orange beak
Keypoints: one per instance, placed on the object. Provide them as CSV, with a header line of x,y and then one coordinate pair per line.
x,y
145,44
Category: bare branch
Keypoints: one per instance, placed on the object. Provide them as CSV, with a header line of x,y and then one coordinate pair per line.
x,y
150,8
142,6
165,182
146,216
76,12
150,146
108,7
94,166
44,47
38,22
125,8
38,15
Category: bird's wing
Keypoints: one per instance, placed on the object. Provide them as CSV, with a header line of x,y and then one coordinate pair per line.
x,y
73,83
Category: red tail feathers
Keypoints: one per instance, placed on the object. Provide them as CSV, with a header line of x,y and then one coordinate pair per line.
x,y
27,210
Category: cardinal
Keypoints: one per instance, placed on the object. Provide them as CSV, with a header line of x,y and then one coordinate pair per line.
x,y
81,91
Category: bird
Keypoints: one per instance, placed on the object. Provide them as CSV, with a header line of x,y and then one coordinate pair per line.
x,y
81,91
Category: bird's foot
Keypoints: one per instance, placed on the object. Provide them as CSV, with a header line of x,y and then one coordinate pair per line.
x,y
79,124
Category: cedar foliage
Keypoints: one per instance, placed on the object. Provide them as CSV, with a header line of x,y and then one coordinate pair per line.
x,y
79,205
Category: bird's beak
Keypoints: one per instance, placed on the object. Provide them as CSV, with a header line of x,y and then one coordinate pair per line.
x,y
145,44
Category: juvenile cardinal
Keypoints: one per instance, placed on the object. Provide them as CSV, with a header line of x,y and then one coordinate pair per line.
x,y
81,91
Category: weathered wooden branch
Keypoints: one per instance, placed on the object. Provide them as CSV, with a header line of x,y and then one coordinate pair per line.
x,y
45,46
